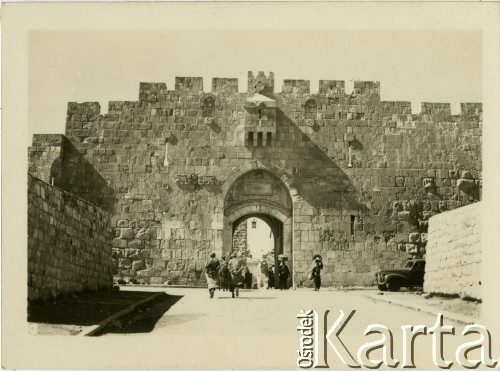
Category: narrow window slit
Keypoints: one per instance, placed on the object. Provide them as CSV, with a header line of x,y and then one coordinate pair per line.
x,y
250,138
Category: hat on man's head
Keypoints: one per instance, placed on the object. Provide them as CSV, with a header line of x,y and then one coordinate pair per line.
x,y
282,257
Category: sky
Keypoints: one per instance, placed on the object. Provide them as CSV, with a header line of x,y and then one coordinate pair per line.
x,y
259,239
431,66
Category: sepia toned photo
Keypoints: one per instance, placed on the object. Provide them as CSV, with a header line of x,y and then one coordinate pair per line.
x,y
250,198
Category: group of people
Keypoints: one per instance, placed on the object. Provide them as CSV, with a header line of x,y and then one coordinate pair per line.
x,y
271,277
230,275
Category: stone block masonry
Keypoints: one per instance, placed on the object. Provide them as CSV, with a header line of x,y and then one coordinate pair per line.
x,y
454,253
69,243
240,238
343,174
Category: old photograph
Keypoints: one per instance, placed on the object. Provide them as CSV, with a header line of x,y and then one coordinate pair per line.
x,y
247,198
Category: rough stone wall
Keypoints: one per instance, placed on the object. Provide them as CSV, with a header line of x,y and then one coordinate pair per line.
x,y
165,162
69,243
453,263
240,239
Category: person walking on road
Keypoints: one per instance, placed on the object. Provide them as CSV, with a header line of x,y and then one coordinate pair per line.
x,y
212,274
235,267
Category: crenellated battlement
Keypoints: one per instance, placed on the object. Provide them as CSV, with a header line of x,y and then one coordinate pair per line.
x,y
224,85
331,101
261,83
471,109
150,91
331,87
396,107
189,84
365,92
261,75
296,86
369,87
87,111
440,109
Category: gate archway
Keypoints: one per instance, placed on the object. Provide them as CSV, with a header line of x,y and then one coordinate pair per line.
x,y
259,193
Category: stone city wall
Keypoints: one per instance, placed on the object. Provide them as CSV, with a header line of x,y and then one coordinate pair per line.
x,y
363,175
69,243
453,264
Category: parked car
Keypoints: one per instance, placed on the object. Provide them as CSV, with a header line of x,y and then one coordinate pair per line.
x,y
412,274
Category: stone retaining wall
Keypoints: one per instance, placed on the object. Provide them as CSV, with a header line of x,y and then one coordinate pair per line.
x,y
69,243
454,253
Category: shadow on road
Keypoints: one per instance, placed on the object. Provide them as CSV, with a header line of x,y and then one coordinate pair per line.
x,y
146,320
83,309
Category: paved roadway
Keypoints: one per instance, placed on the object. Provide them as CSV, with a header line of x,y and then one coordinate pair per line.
x,y
258,329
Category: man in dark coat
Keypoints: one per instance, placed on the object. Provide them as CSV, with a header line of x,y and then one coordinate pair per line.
x,y
284,272
316,272
271,277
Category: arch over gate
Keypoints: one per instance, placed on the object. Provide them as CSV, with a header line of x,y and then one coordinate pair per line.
x,y
239,171
258,192
257,207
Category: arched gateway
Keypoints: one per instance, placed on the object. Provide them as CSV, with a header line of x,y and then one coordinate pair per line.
x,y
259,193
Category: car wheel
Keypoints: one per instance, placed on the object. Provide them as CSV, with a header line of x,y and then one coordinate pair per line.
x,y
393,285
382,287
